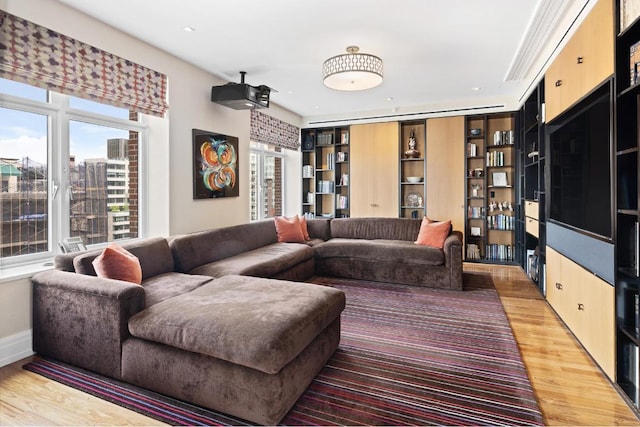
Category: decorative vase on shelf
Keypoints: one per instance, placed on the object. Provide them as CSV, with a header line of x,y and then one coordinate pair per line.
x,y
412,153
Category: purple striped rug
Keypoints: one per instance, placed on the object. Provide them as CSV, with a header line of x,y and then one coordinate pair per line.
x,y
408,356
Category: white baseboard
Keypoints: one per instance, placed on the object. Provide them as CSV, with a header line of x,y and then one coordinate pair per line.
x,y
15,347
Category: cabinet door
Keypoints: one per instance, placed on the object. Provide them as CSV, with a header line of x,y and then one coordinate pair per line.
x,y
374,170
584,63
598,299
555,294
445,170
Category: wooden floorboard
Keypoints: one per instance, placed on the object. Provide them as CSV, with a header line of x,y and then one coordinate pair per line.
x,y
570,388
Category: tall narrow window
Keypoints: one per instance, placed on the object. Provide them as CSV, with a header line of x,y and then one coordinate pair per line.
x,y
25,183
99,177
266,181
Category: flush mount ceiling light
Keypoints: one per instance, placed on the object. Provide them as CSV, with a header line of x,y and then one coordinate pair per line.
x,y
352,71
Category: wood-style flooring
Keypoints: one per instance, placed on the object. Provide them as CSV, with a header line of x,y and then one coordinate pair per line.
x,y
570,388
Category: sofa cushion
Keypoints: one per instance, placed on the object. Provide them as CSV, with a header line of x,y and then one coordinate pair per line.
x,y
167,285
259,323
433,233
319,228
289,230
398,251
117,263
192,250
267,261
376,228
154,255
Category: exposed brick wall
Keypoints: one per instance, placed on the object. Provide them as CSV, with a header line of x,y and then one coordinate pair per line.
x,y
134,219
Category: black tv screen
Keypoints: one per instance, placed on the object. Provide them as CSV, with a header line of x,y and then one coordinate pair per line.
x,y
580,172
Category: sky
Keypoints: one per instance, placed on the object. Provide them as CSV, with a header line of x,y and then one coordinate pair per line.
x,y
24,134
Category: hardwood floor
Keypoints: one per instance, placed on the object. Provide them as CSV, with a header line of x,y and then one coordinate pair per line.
x,y
570,388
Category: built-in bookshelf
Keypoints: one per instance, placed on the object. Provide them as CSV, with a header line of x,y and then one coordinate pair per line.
x,y
325,172
531,235
413,186
490,221
627,204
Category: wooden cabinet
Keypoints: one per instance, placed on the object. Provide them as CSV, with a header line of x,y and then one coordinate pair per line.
x,y
584,62
445,170
374,170
586,305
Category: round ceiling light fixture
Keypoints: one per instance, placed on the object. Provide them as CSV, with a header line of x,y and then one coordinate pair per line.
x,y
352,71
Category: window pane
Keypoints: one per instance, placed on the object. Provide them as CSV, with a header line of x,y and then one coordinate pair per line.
x,y
22,90
24,184
253,166
98,108
103,176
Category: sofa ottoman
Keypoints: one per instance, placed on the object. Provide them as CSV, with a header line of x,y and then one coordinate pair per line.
x,y
245,346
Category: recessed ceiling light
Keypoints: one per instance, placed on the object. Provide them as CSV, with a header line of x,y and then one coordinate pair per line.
x,y
390,98
189,29
476,89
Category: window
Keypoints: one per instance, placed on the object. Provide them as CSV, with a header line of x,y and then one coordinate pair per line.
x,y
267,173
68,168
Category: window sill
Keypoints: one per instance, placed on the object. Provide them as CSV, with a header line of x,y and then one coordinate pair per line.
x,y
23,271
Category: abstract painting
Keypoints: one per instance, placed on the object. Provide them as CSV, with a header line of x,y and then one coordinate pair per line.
x,y
215,165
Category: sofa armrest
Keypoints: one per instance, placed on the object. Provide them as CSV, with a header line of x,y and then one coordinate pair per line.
x,y
453,258
83,320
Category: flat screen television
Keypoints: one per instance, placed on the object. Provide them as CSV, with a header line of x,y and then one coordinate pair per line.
x,y
580,148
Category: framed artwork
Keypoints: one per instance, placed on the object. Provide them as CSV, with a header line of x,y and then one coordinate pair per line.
x,y
215,165
499,179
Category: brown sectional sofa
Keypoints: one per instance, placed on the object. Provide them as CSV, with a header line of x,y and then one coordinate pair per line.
x,y
195,329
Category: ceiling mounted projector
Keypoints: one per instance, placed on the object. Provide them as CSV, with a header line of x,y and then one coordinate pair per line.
x,y
241,96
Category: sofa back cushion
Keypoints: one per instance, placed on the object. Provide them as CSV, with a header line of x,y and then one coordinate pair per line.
x,y
196,249
376,228
319,228
154,255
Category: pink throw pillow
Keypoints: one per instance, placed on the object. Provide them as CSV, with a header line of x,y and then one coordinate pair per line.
x,y
303,226
117,263
433,233
289,230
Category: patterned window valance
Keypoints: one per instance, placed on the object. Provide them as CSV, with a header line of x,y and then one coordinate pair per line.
x,y
40,57
269,130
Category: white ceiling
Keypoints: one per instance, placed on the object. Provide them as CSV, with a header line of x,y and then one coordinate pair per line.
x,y
434,51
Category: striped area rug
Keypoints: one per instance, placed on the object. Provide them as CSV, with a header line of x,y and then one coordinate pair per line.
x,y
407,356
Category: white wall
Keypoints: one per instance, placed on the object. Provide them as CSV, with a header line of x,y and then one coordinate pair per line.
x,y
168,170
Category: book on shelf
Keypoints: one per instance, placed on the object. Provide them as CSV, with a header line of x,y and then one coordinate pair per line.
x,y
344,137
473,251
472,150
499,252
325,186
325,139
307,171
342,156
503,137
344,179
636,249
331,161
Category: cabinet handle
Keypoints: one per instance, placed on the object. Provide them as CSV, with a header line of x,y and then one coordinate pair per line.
x,y
559,286
580,307
558,83
580,60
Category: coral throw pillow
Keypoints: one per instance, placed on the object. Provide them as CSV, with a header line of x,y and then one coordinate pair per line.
x,y
117,263
303,226
433,233
289,230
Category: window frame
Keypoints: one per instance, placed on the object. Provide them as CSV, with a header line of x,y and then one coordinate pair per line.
x,y
261,149
59,115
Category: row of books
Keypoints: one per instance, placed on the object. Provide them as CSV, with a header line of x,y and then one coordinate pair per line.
x,y
325,139
496,252
495,158
475,212
503,137
342,156
307,171
472,150
501,222
326,186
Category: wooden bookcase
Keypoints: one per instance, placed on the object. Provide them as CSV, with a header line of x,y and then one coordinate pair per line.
x,y
489,190
413,193
531,222
627,210
325,172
